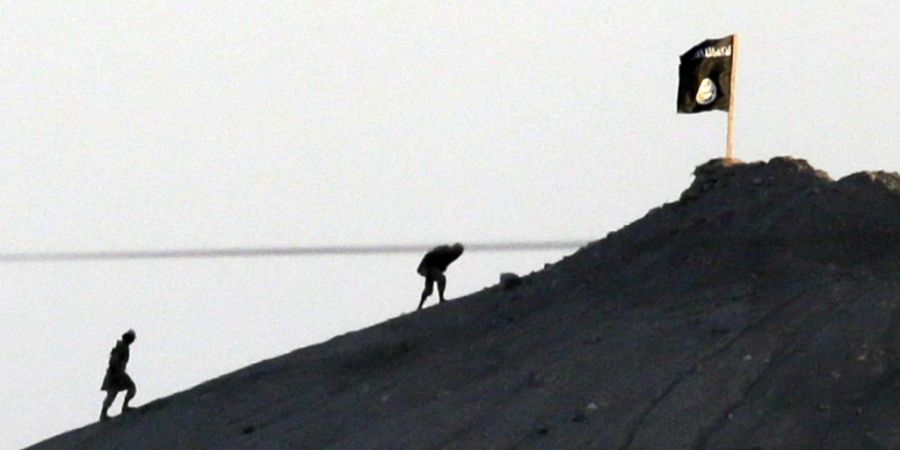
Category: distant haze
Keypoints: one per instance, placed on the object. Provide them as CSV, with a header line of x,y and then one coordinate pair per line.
x,y
178,125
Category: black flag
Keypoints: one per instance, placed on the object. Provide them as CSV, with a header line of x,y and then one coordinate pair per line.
x,y
704,76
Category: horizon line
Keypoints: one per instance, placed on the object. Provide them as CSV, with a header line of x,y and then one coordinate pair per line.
x,y
259,252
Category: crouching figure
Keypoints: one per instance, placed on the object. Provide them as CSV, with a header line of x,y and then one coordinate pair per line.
x,y
433,266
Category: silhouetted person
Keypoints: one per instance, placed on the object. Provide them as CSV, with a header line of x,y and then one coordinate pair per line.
x,y
433,266
116,379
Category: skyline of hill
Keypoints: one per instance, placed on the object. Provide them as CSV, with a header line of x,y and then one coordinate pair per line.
x,y
760,310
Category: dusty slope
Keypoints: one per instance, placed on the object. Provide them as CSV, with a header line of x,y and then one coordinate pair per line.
x,y
759,311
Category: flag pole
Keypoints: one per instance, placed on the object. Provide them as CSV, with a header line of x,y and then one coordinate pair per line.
x,y
729,150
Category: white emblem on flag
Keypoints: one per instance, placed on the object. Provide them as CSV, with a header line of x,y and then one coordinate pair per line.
x,y
707,91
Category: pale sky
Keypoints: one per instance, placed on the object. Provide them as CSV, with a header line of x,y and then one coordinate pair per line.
x,y
176,125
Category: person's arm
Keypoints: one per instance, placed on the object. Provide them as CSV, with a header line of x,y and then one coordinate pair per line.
x,y
117,358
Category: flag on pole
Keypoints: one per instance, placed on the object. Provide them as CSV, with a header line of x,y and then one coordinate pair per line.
x,y
704,76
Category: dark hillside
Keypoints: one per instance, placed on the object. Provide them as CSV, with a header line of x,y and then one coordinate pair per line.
x,y
758,311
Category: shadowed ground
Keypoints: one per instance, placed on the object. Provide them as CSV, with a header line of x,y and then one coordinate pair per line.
x,y
759,311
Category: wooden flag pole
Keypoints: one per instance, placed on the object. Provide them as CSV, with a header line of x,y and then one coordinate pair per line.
x,y
729,150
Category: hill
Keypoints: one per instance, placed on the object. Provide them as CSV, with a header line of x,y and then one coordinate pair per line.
x,y
758,311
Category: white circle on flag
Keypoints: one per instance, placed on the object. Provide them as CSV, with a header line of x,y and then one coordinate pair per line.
x,y
706,92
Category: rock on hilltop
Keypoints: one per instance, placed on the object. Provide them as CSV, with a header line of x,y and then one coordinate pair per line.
x,y
758,311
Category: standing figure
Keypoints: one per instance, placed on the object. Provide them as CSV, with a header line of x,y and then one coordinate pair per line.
x,y
433,266
116,379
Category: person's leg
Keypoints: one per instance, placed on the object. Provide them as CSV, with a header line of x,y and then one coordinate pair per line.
x,y
107,402
429,288
442,283
132,389
128,396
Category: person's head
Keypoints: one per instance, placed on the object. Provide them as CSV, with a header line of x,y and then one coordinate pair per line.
x,y
457,246
129,336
